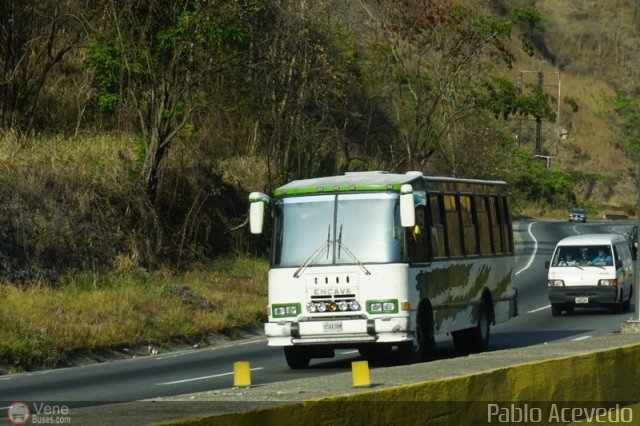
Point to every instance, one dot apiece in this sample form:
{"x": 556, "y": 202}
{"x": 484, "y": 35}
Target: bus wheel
{"x": 297, "y": 357}
{"x": 475, "y": 339}
{"x": 423, "y": 344}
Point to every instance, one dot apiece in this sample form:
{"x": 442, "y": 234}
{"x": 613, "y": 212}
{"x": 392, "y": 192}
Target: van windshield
{"x": 599, "y": 255}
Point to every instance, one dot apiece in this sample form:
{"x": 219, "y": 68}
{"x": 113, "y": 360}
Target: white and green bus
{"x": 377, "y": 261}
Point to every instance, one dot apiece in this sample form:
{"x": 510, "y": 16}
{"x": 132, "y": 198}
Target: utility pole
{"x": 538, "y": 149}
{"x": 538, "y": 137}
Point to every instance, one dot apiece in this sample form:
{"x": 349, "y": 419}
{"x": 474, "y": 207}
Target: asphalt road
{"x": 212, "y": 368}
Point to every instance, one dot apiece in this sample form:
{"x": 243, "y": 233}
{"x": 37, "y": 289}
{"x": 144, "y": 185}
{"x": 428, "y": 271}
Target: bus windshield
{"x": 337, "y": 229}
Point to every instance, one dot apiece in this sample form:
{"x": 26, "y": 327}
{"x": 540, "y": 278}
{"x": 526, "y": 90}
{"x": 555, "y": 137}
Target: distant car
{"x": 577, "y": 215}
{"x": 633, "y": 241}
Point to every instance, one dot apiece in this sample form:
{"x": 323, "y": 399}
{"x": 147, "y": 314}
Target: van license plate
{"x": 582, "y": 300}
{"x": 332, "y": 326}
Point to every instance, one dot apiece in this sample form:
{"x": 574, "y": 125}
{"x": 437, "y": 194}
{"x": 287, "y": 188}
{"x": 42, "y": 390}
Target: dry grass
{"x": 42, "y": 327}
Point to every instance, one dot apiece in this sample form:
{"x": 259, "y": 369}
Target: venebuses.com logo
{"x": 18, "y": 413}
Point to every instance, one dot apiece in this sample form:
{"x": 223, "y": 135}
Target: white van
{"x": 590, "y": 270}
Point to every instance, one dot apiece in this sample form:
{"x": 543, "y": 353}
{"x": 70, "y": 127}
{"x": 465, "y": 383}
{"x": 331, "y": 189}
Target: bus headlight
{"x": 331, "y": 306}
{"x": 608, "y": 283}
{"x": 382, "y": 306}
{"x": 286, "y": 310}
{"x": 555, "y": 283}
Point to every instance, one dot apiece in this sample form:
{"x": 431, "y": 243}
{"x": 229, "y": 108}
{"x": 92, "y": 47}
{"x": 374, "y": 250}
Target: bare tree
{"x": 168, "y": 51}
{"x": 34, "y": 37}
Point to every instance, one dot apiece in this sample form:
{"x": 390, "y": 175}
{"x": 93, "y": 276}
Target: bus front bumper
{"x": 338, "y": 331}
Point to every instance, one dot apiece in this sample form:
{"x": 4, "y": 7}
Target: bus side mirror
{"x": 546, "y": 264}
{"x": 407, "y": 209}
{"x": 257, "y": 210}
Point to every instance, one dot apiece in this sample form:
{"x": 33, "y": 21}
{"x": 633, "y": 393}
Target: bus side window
{"x": 496, "y": 225}
{"x": 452, "y": 224}
{"x": 484, "y": 231}
{"x": 507, "y": 237}
{"x": 418, "y": 238}
{"x": 468, "y": 226}
{"x": 436, "y": 226}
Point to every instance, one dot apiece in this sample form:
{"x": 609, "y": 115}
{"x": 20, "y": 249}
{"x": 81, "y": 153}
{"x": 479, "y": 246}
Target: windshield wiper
{"x": 350, "y": 253}
{"x": 316, "y": 253}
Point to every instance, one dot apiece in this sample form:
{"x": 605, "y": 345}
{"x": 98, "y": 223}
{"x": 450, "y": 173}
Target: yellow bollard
{"x": 241, "y": 374}
{"x": 360, "y": 373}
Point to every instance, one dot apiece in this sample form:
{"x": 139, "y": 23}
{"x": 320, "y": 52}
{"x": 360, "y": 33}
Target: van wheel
{"x": 556, "y": 309}
{"x": 618, "y": 307}
{"x": 298, "y": 358}
{"x": 626, "y": 306}
{"x": 474, "y": 339}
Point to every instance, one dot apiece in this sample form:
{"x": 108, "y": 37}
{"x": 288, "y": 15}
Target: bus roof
{"x": 367, "y": 181}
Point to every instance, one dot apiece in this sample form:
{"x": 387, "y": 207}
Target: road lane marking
{"x": 203, "y": 377}
{"x": 580, "y": 338}
{"x": 539, "y": 309}
{"x": 349, "y": 352}
{"x": 172, "y": 356}
{"x": 535, "y": 249}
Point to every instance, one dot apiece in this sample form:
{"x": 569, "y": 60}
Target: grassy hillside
{"x": 593, "y": 45}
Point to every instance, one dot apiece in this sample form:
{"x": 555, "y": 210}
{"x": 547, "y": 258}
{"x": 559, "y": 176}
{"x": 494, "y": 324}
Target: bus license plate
{"x": 332, "y": 326}
{"x": 582, "y": 300}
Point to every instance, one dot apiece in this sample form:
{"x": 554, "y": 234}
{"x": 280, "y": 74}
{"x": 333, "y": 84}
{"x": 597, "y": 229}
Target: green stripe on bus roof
{"x": 338, "y": 188}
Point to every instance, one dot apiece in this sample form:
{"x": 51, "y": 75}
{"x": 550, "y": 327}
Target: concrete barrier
{"x": 558, "y": 390}
{"x": 612, "y": 216}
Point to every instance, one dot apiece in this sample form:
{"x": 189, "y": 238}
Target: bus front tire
{"x": 556, "y": 309}
{"x": 424, "y": 343}
{"x": 298, "y": 358}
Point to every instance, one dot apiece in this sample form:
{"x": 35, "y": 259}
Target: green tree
{"x": 157, "y": 59}
{"x": 435, "y": 53}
